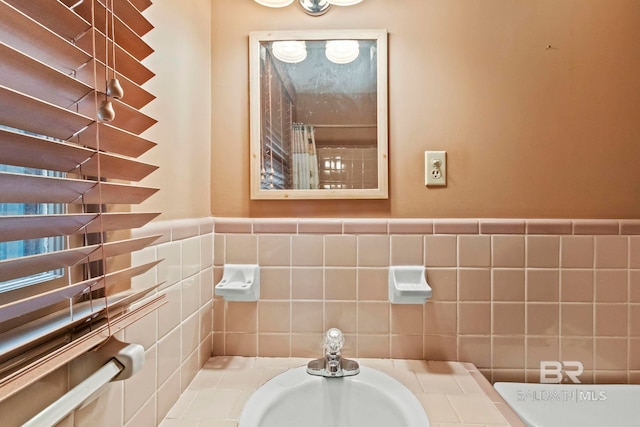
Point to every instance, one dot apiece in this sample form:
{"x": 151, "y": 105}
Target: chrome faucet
{"x": 333, "y": 364}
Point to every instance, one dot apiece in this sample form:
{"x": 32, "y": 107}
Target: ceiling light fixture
{"x": 311, "y": 7}
{"x": 344, "y": 2}
{"x": 274, "y": 3}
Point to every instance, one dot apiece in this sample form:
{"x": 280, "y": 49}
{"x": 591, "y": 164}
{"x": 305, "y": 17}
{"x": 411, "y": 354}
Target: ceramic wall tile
{"x": 508, "y": 284}
{"x": 373, "y": 284}
{"x": 373, "y": 251}
{"x": 241, "y": 249}
{"x": 307, "y": 283}
{"x": 340, "y": 251}
{"x": 274, "y": 250}
{"x": 441, "y": 251}
{"x": 508, "y": 251}
{"x": 307, "y": 251}
{"x": 612, "y": 251}
{"x": 543, "y": 251}
{"x": 275, "y": 283}
{"x": 474, "y": 251}
{"x": 410, "y": 226}
{"x": 407, "y": 250}
{"x": 508, "y": 318}
{"x": 474, "y": 284}
{"x": 455, "y": 226}
{"x": 577, "y": 251}
{"x": 340, "y": 284}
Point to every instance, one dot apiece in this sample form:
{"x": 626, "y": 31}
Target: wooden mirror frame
{"x": 256, "y": 129}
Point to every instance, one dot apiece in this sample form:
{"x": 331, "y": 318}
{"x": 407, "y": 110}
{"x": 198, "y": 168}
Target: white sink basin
{"x": 369, "y": 399}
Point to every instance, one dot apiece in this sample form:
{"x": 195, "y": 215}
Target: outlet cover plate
{"x": 435, "y": 168}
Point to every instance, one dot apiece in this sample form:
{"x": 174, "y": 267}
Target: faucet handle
{"x": 333, "y": 340}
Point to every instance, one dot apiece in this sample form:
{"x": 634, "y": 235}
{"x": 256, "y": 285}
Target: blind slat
{"x": 53, "y": 15}
{"x": 20, "y": 188}
{"x": 112, "y": 280}
{"x": 126, "y": 274}
{"x": 119, "y": 221}
{"x": 127, "y": 118}
{"x": 113, "y": 249}
{"x": 114, "y": 140}
{"x": 124, "y": 9}
{"x": 34, "y": 152}
{"x": 112, "y": 166}
{"x": 134, "y": 95}
{"x": 46, "y": 299}
{"x": 126, "y": 37}
{"x": 117, "y": 194}
{"x": 126, "y": 64}
{"x": 27, "y": 75}
{"x": 43, "y": 118}
{"x": 141, "y": 5}
{"x": 39, "y": 226}
{"x": 28, "y": 36}
{"x": 135, "y": 20}
{"x": 27, "y": 266}
{"x": 31, "y": 151}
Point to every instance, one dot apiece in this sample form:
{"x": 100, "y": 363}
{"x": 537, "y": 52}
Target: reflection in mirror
{"x": 318, "y": 114}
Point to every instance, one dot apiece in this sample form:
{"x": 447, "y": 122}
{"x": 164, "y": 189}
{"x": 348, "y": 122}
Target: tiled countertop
{"x": 453, "y": 394}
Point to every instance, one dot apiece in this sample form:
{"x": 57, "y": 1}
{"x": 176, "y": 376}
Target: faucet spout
{"x": 333, "y": 364}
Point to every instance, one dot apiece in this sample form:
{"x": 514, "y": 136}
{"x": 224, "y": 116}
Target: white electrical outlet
{"x": 435, "y": 168}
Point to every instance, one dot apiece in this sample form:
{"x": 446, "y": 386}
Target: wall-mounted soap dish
{"x": 240, "y": 282}
{"x": 407, "y": 285}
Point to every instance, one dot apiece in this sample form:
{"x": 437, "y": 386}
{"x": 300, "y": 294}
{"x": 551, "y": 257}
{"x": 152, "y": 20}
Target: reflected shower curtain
{"x": 305, "y": 159}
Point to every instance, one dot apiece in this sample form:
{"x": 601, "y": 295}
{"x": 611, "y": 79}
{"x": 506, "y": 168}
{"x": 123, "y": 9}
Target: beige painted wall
{"x": 530, "y": 130}
{"x": 182, "y": 85}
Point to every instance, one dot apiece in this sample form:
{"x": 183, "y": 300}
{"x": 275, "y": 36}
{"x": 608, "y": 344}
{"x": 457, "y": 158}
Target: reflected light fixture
{"x": 311, "y": 7}
{"x": 290, "y": 51}
{"x": 342, "y": 51}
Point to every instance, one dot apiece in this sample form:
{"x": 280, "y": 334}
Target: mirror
{"x": 318, "y": 114}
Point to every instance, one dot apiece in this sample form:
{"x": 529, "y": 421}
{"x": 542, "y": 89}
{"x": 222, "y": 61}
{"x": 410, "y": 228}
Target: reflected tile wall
{"x": 507, "y": 294}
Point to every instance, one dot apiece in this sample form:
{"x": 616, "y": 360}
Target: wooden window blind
{"x": 68, "y": 177}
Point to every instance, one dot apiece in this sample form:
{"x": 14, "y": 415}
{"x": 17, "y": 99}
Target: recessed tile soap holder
{"x": 240, "y": 282}
{"x": 408, "y": 285}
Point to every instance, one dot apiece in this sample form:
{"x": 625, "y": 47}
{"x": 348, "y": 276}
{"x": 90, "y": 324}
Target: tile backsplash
{"x": 507, "y": 294}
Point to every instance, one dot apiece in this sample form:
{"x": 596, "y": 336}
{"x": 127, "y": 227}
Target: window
{"x": 22, "y": 248}
{"x": 68, "y": 178}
